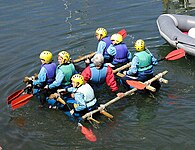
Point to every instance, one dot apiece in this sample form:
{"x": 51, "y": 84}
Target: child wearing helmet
{"x": 142, "y": 63}
{"x": 83, "y": 94}
{"x": 64, "y": 72}
{"x": 46, "y": 75}
{"x": 47, "y": 72}
{"x": 118, "y": 51}
{"x": 97, "y": 73}
{"x": 103, "y": 42}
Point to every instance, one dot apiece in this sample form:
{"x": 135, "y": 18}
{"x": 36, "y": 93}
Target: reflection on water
{"x": 19, "y": 121}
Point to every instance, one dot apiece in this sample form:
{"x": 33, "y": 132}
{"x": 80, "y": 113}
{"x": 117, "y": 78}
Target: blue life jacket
{"x": 121, "y": 53}
{"x": 108, "y": 42}
{"x": 98, "y": 75}
{"x": 51, "y": 69}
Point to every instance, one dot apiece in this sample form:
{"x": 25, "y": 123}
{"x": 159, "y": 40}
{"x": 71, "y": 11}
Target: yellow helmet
{"x": 139, "y": 45}
{"x": 101, "y": 32}
{"x": 117, "y": 38}
{"x": 65, "y": 56}
{"x": 78, "y": 78}
{"x": 46, "y": 56}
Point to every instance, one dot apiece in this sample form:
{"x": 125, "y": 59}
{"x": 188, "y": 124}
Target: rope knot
{"x": 102, "y": 107}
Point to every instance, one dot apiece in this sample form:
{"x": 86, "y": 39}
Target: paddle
{"x": 14, "y": 95}
{"x": 20, "y": 101}
{"x": 88, "y": 133}
{"x": 17, "y": 93}
{"x": 136, "y": 84}
{"x": 121, "y": 32}
{"x": 174, "y": 55}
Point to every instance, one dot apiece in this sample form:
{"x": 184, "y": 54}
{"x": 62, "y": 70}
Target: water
{"x": 165, "y": 121}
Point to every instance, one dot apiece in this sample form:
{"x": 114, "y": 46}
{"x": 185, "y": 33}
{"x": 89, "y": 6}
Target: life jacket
{"x": 145, "y": 61}
{"x": 108, "y": 42}
{"x": 68, "y": 70}
{"x": 121, "y": 53}
{"x": 89, "y": 96}
{"x": 98, "y": 75}
{"x": 51, "y": 69}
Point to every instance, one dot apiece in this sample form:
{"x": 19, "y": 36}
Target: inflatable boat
{"x": 174, "y": 29}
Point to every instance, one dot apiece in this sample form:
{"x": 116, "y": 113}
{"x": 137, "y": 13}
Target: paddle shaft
{"x": 84, "y": 57}
{"x": 161, "y": 59}
{"x": 61, "y": 101}
{"x": 122, "y": 68}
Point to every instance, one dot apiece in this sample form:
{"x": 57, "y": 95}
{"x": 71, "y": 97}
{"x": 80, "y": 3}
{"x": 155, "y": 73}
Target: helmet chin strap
{"x": 78, "y": 85}
{"x": 100, "y": 37}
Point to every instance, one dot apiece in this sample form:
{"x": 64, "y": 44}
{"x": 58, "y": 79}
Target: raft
{"x": 65, "y": 103}
{"x": 174, "y": 29}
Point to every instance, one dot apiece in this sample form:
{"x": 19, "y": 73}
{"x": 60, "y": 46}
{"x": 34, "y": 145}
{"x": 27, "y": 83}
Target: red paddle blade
{"x": 88, "y": 133}
{"x": 176, "y": 54}
{"x": 14, "y": 95}
{"x": 19, "y": 105}
{"x": 123, "y": 33}
{"x": 136, "y": 84}
{"x": 20, "y": 101}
